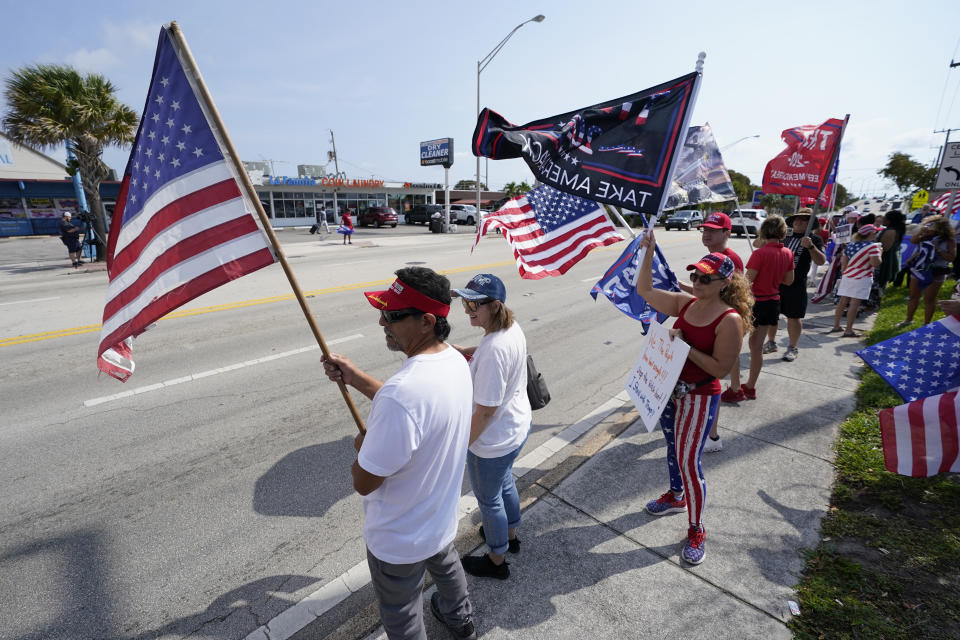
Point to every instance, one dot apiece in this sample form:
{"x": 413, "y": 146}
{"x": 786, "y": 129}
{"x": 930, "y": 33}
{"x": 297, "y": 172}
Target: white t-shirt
{"x": 499, "y": 369}
{"x": 417, "y": 435}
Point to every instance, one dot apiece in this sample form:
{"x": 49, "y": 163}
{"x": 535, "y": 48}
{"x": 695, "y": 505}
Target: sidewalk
{"x": 594, "y": 564}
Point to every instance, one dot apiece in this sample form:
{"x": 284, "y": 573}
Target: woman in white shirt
{"x": 500, "y": 423}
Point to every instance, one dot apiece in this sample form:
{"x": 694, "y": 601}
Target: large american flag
{"x": 919, "y": 363}
{"x": 921, "y": 438}
{"x": 550, "y": 231}
{"x": 181, "y": 226}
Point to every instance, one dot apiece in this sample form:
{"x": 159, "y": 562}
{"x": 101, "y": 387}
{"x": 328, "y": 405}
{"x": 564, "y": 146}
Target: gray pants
{"x": 399, "y": 589}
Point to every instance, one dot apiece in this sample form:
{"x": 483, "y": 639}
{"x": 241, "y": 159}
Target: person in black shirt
{"x": 70, "y": 236}
{"x": 793, "y": 297}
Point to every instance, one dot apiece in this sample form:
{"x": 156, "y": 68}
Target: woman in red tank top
{"x": 713, "y": 322}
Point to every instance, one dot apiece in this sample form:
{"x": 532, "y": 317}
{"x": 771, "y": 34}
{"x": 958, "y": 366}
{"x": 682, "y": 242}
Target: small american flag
{"x": 181, "y": 227}
{"x": 921, "y": 438}
{"x": 858, "y": 259}
{"x": 550, "y": 231}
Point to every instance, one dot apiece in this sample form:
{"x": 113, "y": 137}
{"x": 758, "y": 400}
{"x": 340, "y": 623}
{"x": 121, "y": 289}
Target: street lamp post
{"x": 481, "y": 65}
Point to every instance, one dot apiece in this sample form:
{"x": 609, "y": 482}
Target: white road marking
{"x": 26, "y": 301}
{"x": 213, "y": 372}
{"x": 295, "y": 618}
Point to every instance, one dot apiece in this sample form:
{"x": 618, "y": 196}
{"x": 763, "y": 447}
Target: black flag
{"x": 618, "y": 152}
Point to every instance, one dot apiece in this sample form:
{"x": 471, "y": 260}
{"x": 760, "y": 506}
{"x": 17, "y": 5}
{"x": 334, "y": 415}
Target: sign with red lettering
{"x": 802, "y": 168}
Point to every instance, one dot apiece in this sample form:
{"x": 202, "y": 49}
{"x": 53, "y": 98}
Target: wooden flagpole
{"x": 191, "y": 65}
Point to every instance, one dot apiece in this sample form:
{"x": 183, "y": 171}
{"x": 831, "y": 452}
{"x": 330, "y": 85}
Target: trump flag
{"x": 801, "y": 169}
{"x": 619, "y": 284}
{"x": 921, "y": 438}
{"x": 619, "y": 152}
{"x": 181, "y": 226}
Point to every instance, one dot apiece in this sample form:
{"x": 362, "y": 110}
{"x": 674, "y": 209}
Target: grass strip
{"x": 888, "y": 562}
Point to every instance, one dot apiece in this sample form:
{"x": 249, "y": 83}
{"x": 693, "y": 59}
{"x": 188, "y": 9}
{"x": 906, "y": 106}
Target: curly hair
{"x": 773, "y": 227}
{"x": 940, "y": 224}
{"x": 433, "y": 285}
{"x": 737, "y": 294}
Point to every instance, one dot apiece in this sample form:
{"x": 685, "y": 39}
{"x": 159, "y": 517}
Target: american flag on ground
{"x": 921, "y": 438}
{"x": 550, "y": 231}
{"x": 921, "y": 362}
{"x": 181, "y": 227}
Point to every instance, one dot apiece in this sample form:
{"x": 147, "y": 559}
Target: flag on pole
{"x": 939, "y": 205}
{"x": 828, "y": 281}
{"x": 618, "y": 152}
{"x": 802, "y": 167}
{"x": 181, "y": 225}
{"x": 550, "y": 231}
{"x": 619, "y": 284}
{"x": 700, "y": 175}
{"x": 921, "y": 362}
{"x": 921, "y": 438}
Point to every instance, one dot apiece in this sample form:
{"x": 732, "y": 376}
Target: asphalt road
{"x": 205, "y": 507}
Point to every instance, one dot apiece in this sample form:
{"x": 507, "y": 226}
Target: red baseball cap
{"x": 714, "y": 263}
{"x": 400, "y": 295}
{"x": 718, "y": 220}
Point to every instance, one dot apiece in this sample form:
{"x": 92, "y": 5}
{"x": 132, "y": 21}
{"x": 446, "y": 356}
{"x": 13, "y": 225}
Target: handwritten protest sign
{"x": 653, "y": 377}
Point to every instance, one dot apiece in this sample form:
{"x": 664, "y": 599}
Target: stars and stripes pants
{"x": 686, "y": 423}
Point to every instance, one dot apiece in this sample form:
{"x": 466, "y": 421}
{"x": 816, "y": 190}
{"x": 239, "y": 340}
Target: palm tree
{"x": 513, "y": 189}
{"x": 49, "y": 105}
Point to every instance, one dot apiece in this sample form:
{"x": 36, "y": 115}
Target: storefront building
{"x": 291, "y": 202}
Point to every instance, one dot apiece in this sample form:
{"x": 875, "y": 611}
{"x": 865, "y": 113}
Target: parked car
{"x": 421, "y": 213}
{"x": 751, "y": 221}
{"x": 463, "y": 214}
{"x": 378, "y": 217}
{"x": 684, "y": 219}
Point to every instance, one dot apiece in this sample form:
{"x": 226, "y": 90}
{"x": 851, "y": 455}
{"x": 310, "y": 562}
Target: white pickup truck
{"x": 463, "y": 214}
{"x": 751, "y": 220}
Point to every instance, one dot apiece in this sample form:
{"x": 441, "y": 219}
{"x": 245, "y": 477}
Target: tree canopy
{"x": 469, "y": 185}
{"x": 514, "y": 189}
{"x": 907, "y": 173}
{"x": 49, "y": 105}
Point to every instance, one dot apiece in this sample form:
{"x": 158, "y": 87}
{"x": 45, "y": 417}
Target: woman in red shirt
{"x": 768, "y": 267}
{"x": 712, "y": 321}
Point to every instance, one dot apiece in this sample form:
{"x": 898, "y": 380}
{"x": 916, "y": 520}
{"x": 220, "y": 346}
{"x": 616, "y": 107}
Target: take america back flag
{"x": 550, "y": 231}
{"x": 181, "y": 226}
{"x": 919, "y": 363}
{"x": 619, "y": 152}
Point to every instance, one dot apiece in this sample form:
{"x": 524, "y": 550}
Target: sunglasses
{"x": 474, "y": 305}
{"x": 394, "y": 316}
{"x": 702, "y": 277}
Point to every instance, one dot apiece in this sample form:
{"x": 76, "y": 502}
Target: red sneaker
{"x": 750, "y": 393}
{"x": 733, "y": 396}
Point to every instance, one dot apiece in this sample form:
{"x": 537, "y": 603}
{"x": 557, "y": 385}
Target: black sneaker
{"x": 513, "y": 546}
{"x": 466, "y": 632}
{"x": 483, "y": 567}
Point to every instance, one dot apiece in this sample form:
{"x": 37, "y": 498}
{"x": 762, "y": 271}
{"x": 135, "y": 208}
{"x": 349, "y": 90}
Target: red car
{"x": 378, "y": 217}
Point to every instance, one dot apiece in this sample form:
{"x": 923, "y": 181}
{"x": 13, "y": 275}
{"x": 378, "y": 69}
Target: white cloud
{"x": 118, "y": 40}
{"x": 98, "y": 60}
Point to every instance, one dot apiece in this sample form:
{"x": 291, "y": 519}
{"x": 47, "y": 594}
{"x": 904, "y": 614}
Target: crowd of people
{"x": 451, "y": 408}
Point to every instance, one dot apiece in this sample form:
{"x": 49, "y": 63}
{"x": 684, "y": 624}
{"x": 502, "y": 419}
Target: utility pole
{"x": 333, "y": 154}
{"x": 947, "y": 131}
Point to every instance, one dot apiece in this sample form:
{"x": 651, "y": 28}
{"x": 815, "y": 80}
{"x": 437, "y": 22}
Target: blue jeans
{"x": 496, "y": 492}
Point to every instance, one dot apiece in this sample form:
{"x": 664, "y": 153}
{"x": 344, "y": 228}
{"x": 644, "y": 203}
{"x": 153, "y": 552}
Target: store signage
{"x": 422, "y": 185}
{"x": 326, "y": 182}
{"x": 438, "y": 151}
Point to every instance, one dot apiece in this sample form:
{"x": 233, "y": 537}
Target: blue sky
{"x": 387, "y": 75}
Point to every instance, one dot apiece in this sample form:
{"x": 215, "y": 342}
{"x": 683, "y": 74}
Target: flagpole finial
{"x": 700, "y": 58}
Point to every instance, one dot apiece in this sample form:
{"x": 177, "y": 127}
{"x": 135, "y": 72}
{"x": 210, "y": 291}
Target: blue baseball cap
{"x": 483, "y": 285}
